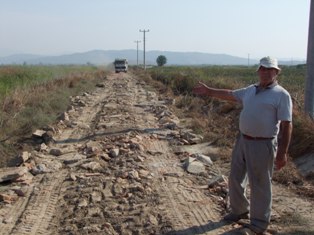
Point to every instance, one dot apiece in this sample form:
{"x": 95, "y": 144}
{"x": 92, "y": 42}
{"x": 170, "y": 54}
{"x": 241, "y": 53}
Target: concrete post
{"x": 309, "y": 88}
{"x": 144, "y": 42}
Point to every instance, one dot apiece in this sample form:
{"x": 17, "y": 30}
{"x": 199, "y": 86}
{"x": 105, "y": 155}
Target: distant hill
{"x": 105, "y": 57}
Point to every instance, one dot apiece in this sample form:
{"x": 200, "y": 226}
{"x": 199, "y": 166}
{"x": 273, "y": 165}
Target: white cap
{"x": 269, "y": 62}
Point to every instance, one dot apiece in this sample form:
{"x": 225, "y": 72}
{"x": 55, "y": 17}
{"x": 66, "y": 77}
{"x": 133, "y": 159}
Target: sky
{"x": 244, "y": 28}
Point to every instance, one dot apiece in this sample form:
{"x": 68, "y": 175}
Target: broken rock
{"x": 8, "y": 198}
{"x": 114, "y": 153}
{"x": 39, "y": 133}
{"x": 194, "y": 167}
{"x": 12, "y": 173}
{"x": 55, "y": 152}
{"x": 39, "y": 169}
{"x": 203, "y": 158}
{"x": 91, "y": 166}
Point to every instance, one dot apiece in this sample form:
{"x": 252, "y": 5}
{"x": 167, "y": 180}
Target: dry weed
{"x": 14, "y": 102}
{"x": 302, "y": 135}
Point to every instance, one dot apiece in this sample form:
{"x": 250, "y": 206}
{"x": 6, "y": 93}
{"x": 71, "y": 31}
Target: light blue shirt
{"x": 263, "y": 109}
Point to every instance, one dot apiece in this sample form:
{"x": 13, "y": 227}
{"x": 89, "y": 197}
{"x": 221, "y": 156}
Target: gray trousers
{"x": 253, "y": 162}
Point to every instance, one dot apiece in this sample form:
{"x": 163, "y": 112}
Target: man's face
{"x": 267, "y": 75}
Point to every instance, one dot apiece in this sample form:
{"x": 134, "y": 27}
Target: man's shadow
{"x": 202, "y": 229}
{"x": 211, "y": 226}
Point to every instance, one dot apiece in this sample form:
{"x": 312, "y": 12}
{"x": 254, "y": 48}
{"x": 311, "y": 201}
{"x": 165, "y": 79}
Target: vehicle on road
{"x": 121, "y": 65}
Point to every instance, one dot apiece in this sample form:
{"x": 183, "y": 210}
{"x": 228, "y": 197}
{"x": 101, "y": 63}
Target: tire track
{"x": 188, "y": 208}
{"x": 41, "y": 207}
{"x": 11, "y": 214}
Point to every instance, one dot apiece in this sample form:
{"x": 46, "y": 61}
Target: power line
{"x": 144, "y": 31}
{"x": 137, "y": 42}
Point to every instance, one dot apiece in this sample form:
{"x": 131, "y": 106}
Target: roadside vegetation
{"x": 217, "y": 120}
{"x": 181, "y": 81}
{"x": 33, "y": 96}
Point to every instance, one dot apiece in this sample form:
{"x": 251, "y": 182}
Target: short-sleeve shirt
{"x": 263, "y": 109}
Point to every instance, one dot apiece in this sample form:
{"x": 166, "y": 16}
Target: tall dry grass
{"x": 26, "y": 106}
{"x": 221, "y": 118}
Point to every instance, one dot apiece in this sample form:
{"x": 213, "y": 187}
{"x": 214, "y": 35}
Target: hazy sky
{"x": 236, "y": 27}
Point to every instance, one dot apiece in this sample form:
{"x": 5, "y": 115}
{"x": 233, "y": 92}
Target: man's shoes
{"x": 231, "y": 217}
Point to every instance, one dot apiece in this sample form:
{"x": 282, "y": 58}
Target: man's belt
{"x": 256, "y": 138}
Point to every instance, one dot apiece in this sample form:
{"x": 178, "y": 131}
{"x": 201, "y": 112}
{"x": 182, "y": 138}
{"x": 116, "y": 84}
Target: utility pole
{"x": 137, "y": 42}
{"x": 248, "y": 60}
{"x": 309, "y": 88}
{"x": 144, "y": 31}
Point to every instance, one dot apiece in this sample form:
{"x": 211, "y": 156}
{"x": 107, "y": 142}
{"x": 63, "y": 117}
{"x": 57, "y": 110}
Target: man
{"x": 267, "y": 109}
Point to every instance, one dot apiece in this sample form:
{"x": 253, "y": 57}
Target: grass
{"x": 24, "y": 76}
{"x": 181, "y": 81}
{"x": 33, "y": 96}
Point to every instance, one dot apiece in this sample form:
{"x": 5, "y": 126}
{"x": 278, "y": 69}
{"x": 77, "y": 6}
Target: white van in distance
{"x": 121, "y": 65}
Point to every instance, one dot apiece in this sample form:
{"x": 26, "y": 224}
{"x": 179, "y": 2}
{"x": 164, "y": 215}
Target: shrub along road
{"x": 115, "y": 164}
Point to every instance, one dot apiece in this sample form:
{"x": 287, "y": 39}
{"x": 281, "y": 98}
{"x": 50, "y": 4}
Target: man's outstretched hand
{"x": 200, "y": 89}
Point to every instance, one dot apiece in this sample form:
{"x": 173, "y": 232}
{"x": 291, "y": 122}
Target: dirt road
{"x": 113, "y": 167}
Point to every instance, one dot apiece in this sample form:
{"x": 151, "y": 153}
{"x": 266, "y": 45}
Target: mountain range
{"x": 105, "y": 57}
